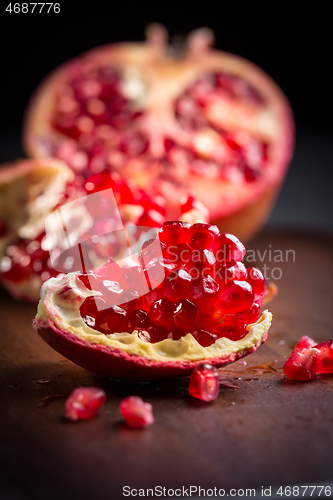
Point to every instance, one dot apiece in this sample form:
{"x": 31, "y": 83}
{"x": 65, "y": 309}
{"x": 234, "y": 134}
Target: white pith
{"x": 63, "y": 310}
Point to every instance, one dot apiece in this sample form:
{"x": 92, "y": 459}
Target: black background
{"x": 293, "y": 46}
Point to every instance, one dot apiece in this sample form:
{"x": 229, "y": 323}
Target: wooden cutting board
{"x": 266, "y": 432}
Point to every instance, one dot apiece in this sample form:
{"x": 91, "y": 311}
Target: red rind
{"x": 118, "y": 364}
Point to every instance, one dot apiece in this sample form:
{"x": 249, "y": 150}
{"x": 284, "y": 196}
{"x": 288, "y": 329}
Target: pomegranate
{"x": 84, "y": 403}
{"x": 136, "y": 412}
{"x": 204, "y": 382}
{"x": 155, "y": 320}
{"x": 202, "y": 123}
{"x": 29, "y": 191}
{"x": 309, "y": 359}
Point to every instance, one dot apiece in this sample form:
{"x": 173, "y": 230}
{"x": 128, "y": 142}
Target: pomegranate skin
{"x": 118, "y": 364}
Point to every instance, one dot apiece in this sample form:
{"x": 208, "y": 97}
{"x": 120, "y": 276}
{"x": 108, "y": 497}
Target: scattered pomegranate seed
{"x": 302, "y": 365}
{"x": 136, "y": 412}
{"x": 84, "y": 403}
{"x": 304, "y": 343}
{"x": 204, "y": 382}
{"x": 325, "y": 356}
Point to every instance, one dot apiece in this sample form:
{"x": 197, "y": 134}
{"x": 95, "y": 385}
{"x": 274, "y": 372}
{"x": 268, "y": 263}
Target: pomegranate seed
{"x": 93, "y": 306}
{"x": 257, "y": 282}
{"x": 229, "y": 248}
{"x": 229, "y": 271}
{"x": 157, "y": 270}
{"x": 304, "y": 343}
{"x": 136, "y": 412}
{"x": 161, "y": 313}
{"x": 110, "y": 270}
{"x": 177, "y": 285}
{"x": 84, "y": 403}
{"x": 157, "y": 334}
{"x": 114, "y": 319}
{"x": 233, "y": 329}
{"x": 178, "y": 254}
{"x": 174, "y": 233}
{"x": 111, "y": 290}
{"x": 250, "y": 315}
{"x": 204, "y": 382}
{"x": 151, "y": 297}
{"x": 201, "y": 263}
{"x": 203, "y": 236}
{"x": 204, "y": 289}
{"x": 185, "y": 315}
{"x": 302, "y": 365}
{"x": 325, "y": 356}
{"x": 89, "y": 280}
{"x": 176, "y": 334}
{"x": 131, "y": 300}
{"x": 205, "y": 338}
{"x": 134, "y": 278}
{"x": 236, "y": 297}
{"x": 139, "y": 319}
{"x": 151, "y": 249}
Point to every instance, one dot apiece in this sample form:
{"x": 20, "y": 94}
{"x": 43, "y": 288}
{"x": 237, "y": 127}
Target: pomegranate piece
{"x": 136, "y": 412}
{"x": 174, "y": 233}
{"x": 305, "y": 342}
{"x": 84, "y": 403}
{"x": 302, "y": 365}
{"x": 233, "y": 329}
{"x": 203, "y": 236}
{"x": 177, "y": 285}
{"x": 114, "y": 319}
{"x": 257, "y": 282}
{"x": 157, "y": 270}
{"x": 185, "y": 315}
{"x": 325, "y": 356}
{"x": 139, "y": 319}
{"x": 204, "y": 382}
{"x": 229, "y": 248}
{"x": 161, "y": 313}
{"x": 236, "y": 297}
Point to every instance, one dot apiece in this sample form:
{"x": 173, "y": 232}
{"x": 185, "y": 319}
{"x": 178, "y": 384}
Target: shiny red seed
{"x": 111, "y": 290}
{"x": 201, "y": 263}
{"x": 161, "y": 313}
{"x": 151, "y": 249}
{"x": 138, "y": 319}
{"x": 151, "y": 297}
{"x": 114, "y": 319}
{"x": 157, "y": 270}
{"x": 174, "y": 232}
{"x": 229, "y": 271}
{"x": 185, "y": 315}
{"x": 111, "y": 270}
{"x": 233, "y": 329}
{"x": 250, "y": 315}
{"x": 136, "y": 412}
{"x": 304, "y": 342}
{"x": 176, "y": 334}
{"x": 325, "y": 356}
{"x": 204, "y": 382}
{"x": 228, "y": 248}
{"x": 236, "y": 297}
{"x": 84, "y": 403}
{"x": 131, "y": 300}
{"x": 178, "y": 254}
{"x": 177, "y": 285}
{"x": 203, "y": 236}
{"x": 204, "y": 289}
{"x": 257, "y": 282}
{"x": 157, "y": 334}
{"x": 93, "y": 306}
{"x": 302, "y": 365}
{"x": 89, "y": 280}
{"x": 134, "y": 278}
{"x": 205, "y": 338}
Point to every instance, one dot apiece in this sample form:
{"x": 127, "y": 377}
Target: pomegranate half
{"x": 188, "y": 300}
{"x": 200, "y": 123}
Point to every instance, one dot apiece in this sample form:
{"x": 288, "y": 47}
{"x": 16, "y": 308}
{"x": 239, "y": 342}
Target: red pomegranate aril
{"x": 151, "y": 249}
{"x": 202, "y": 236}
{"x": 229, "y": 271}
{"x": 134, "y": 278}
{"x": 204, "y": 289}
{"x": 161, "y": 313}
{"x": 204, "y": 382}
{"x": 138, "y": 319}
{"x": 325, "y": 356}
{"x": 136, "y": 412}
{"x": 176, "y": 334}
{"x": 110, "y": 270}
{"x": 151, "y": 218}
{"x": 89, "y": 280}
{"x": 157, "y": 270}
{"x": 302, "y": 365}
{"x": 111, "y": 290}
{"x": 236, "y": 297}
{"x": 205, "y": 338}
{"x": 151, "y": 297}
{"x": 257, "y": 282}
{"x": 250, "y": 315}
{"x": 177, "y": 285}
{"x": 93, "y": 306}
{"x": 157, "y": 334}
{"x": 174, "y": 233}
{"x": 114, "y": 319}
{"x": 232, "y": 329}
{"x": 185, "y": 315}
{"x": 304, "y": 342}
{"x": 178, "y": 254}
{"x": 84, "y": 403}
{"x": 131, "y": 300}
{"x": 201, "y": 263}
{"x": 229, "y": 248}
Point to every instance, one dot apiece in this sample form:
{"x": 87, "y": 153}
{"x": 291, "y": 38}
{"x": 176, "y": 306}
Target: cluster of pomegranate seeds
{"x": 136, "y": 412}
{"x": 84, "y": 403}
{"x": 204, "y": 382}
{"x": 309, "y": 359}
{"x": 197, "y": 285}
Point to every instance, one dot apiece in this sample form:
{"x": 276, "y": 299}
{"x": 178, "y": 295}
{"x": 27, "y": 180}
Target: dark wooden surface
{"x": 269, "y": 431}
